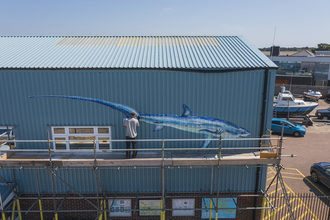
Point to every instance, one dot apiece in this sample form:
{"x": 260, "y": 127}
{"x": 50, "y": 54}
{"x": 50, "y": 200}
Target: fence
{"x": 304, "y": 206}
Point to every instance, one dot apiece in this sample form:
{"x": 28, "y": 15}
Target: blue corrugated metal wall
{"x": 144, "y": 180}
{"x": 232, "y": 96}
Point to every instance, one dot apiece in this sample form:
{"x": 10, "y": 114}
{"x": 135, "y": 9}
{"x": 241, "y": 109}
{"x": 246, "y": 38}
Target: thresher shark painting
{"x": 208, "y": 127}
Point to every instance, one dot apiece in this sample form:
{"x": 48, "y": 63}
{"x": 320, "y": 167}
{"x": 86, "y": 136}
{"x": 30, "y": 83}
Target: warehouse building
{"x": 204, "y": 102}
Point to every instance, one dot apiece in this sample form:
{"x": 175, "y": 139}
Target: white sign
{"x": 120, "y": 207}
{"x": 182, "y": 205}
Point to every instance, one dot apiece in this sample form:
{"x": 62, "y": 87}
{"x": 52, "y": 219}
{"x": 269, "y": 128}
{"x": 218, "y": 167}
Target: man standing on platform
{"x": 130, "y": 125}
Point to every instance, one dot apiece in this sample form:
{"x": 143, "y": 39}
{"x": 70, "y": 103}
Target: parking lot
{"x": 314, "y": 147}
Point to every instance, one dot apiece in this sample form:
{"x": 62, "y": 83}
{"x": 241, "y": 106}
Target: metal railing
{"x": 141, "y": 149}
{"x": 163, "y": 208}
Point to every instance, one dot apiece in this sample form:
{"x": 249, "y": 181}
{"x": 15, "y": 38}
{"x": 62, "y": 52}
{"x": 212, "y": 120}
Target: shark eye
{"x": 239, "y": 131}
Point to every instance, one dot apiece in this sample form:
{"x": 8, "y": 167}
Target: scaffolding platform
{"x": 81, "y": 159}
{"x": 51, "y": 159}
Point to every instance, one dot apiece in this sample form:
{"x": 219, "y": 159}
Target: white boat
{"x": 312, "y": 95}
{"x": 285, "y": 102}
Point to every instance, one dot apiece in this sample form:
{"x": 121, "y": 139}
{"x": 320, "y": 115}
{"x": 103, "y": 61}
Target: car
{"x": 289, "y": 127}
{"x": 323, "y": 114}
{"x": 327, "y": 97}
{"x": 320, "y": 173}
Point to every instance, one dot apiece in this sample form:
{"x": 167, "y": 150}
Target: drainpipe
{"x": 262, "y": 127}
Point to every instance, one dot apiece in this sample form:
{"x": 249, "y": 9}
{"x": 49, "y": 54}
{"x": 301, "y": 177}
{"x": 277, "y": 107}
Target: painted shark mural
{"x": 208, "y": 127}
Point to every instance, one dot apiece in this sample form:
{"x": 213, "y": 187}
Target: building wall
{"x": 236, "y": 97}
{"x": 81, "y": 204}
{"x": 295, "y": 80}
{"x": 142, "y": 179}
{"x": 232, "y": 96}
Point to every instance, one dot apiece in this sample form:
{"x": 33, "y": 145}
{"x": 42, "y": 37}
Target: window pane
{"x": 103, "y": 130}
{"x": 81, "y": 130}
{"x": 105, "y": 144}
{"x": 86, "y": 142}
{"x": 4, "y": 134}
{"x": 59, "y": 131}
{"x": 61, "y": 145}
{"x": 3, "y": 131}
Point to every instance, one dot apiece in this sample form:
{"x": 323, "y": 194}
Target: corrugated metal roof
{"x": 207, "y": 52}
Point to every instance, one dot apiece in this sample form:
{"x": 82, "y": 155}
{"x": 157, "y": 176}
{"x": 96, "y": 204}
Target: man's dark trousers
{"x": 128, "y": 147}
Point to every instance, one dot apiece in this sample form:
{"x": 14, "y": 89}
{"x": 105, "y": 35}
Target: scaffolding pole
{"x": 162, "y": 201}
{"x": 3, "y": 214}
{"x": 136, "y": 200}
{"x": 132, "y": 210}
{"x": 104, "y": 196}
{"x": 13, "y": 213}
{"x": 96, "y": 180}
{"x": 101, "y": 206}
{"x": 52, "y": 178}
{"x": 199, "y": 195}
{"x": 135, "y": 209}
{"x": 15, "y": 193}
{"x": 40, "y": 203}
{"x": 100, "y": 216}
{"x": 58, "y": 208}
{"x": 218, "y": 183}
{"x": 31, "y": 206}
{"x": 53, "y": 174}
{"x": 162, "y": 208}
{"x": 211, "y": 194}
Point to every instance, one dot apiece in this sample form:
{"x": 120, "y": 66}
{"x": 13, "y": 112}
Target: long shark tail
{"x": 119, "y": 107}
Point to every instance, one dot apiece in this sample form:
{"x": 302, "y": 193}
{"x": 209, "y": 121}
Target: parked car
{"x": 323, "y": 114}
{"x": 327, "y": 97}
{"x": 320, "y": 172}
{"x": 289, "y": 127}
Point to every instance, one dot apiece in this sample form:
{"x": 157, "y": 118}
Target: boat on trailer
{"x": 312, "y": 95}
{"x": 286, "y": 103}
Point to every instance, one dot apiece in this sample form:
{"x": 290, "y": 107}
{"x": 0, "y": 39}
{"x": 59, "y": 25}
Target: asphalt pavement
{"x": 314, "y": 147}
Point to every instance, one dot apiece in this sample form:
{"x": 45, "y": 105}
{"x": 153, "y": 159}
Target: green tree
{"x": 322, "y": 47}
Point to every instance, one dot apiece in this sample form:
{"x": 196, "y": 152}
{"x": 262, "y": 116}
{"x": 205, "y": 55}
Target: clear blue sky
{"x": 298, "y": 23}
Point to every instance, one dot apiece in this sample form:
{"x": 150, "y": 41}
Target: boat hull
{"x": 312, "y": 97}
{"x": 293, "y": 111}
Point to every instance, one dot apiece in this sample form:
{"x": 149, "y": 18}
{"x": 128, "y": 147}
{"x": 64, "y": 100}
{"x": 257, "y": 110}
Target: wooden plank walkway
{"x": 82, "y": 159}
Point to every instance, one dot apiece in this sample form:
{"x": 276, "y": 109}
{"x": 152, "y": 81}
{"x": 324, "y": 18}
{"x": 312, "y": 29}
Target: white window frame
{"x": 95, "y": 133}
{"x": 11, "y": 134}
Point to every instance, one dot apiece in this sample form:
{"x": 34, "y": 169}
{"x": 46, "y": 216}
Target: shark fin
{"x": 186, "y": 111}
{"x": 206, "y": 142}
{"x": 158, "y": 128}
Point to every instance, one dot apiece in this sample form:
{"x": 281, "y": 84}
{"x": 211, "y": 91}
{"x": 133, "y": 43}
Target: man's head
{"x": 133, "y": 113}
